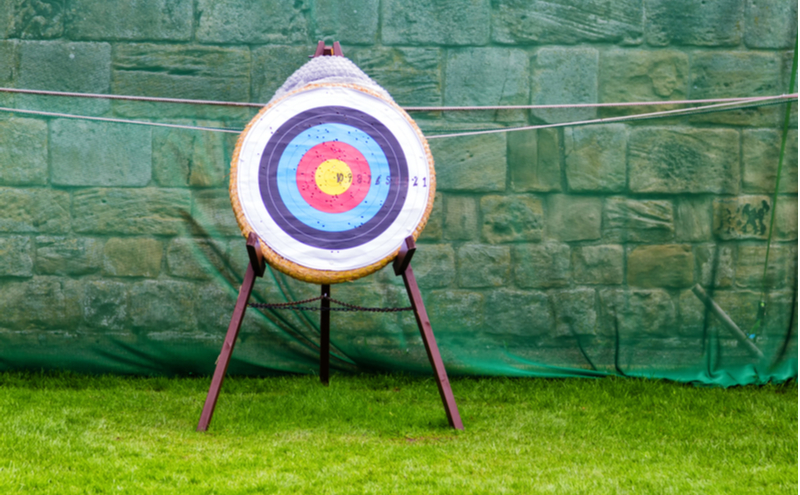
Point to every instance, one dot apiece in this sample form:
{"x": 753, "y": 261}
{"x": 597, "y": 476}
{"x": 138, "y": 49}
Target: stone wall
{"x": 545, "y": 247}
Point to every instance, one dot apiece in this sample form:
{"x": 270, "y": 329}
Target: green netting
{"x": 662, "y": 248}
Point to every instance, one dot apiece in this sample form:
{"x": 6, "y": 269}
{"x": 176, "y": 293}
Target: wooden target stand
{"x": 402, "y": 267}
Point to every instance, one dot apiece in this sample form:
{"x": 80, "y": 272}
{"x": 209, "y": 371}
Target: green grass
{"x": 66, "y": 433}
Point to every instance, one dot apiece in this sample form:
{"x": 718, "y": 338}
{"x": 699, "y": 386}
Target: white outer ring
{"x": 322, "y": 259}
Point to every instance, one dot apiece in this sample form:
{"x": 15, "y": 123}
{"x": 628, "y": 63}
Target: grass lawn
{"x": 65, "y": 433}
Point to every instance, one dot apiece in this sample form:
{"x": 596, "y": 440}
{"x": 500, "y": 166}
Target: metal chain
{"x": 297, "y": 305}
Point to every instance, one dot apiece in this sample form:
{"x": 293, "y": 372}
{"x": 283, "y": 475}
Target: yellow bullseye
{"x": 333, "y": 177}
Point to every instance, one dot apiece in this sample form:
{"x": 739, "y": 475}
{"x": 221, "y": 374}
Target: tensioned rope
{"x": 119, "y": 121}
{"x": 650, "y": 115}
{"x": 738, "y": 103}
{"x": 157, "y": 99}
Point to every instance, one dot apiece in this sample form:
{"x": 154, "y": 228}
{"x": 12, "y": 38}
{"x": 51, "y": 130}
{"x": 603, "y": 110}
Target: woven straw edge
{"x": 291, "y": 268}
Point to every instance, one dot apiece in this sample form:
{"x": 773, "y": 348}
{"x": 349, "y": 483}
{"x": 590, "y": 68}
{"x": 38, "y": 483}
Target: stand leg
{"x": 325, "y": 339}
{"x": 227, "y": 348}
{"x": 433, "y": 350}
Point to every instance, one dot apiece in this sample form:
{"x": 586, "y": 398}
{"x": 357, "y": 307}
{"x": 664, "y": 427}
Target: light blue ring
{"x": 320, "y": 220}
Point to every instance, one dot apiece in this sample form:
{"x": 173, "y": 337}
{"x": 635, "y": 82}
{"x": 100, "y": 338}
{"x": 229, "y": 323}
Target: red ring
{"x": 333, "y": 150}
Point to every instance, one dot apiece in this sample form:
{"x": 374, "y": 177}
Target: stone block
{"x": 167, "y": 20}
{"x": 8, "y": 60}
{"x": 132, "y": 257}
{"x": 781, "y": 312}
{"x": 213, "y": 215}
{"x": 443, "y": 304}
{"x": 34, "y": 20}
{"x": 741, "y": 306}
{"x": 434, "y": 265}
{"x": 511, "y": 218}
{"x": 273, "y": 64}
{"x": 760, "y": 152}
{"x": 196, "y": 258}
{"x": 75, "y": 67}
{"x": 460, "y": 218}
{"x": 683, "y": 160}
{"x": 348, "y": 21}
{"x": 188, "y": 158}
{"x": 742, "y": 217}
{"x": 68, "y": 255}
{"x": 131, "y": 211}
{"x": 686, "y": 22}
{"x": 740, "y": 73}
{"x": 598, "y": 264}
{"x": 483, "y": 266}
{"x": 693, "y": 314}
{"x": 642, "y": 75}
{"x": 637, "y": 313}
{"x": 785, "y": 228}
{"x": 541, "y": 265}
{"x": 518, "y": 314}
{"x": 434, "y": 227}
{"x": 573, "y": 218}
{"x": 750, "y": 260}
{"x": 533, "y": 160}
{"x": 668, "y": 265}
{"x": 715, "y": 263}
{"x": 6, "y": 16}
{"x": 15, "y": 256}
{"x": 564, "y": 75}
{"x": 770, "y": 24}
{"x": 180, "y": 71}
{"x": 411, "y": 75}
{"x": 474, "y": 164}
{"x": 213, "y": 309}
{"x": 693, "y": 219}
{"x": 566, "y": 22}
{"x": 85, "y": 153}
{"x": 360, "y": 324}
{"x": 39, "y": 303}
{"x": 488, "y": 76}
{"x": 444, "y": 22}
{"x": 575, "y": 312}
{"x": 594, "y": 157}
{"x": 251, "y": 22}
{"x": 34, "y": 210}
{"x": 163, "y": 304}
{"x": 631, "y": 220}
{"x": 23, "y": 152}
{"x": 105, "y": 305}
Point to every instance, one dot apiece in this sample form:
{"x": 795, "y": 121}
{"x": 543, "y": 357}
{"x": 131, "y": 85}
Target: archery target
{"x": 332, "y": 178}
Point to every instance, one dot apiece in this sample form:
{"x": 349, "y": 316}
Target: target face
{"x": 332, "y": 179}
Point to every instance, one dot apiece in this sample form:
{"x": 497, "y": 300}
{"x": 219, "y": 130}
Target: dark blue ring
{"x": 375, "y": 226}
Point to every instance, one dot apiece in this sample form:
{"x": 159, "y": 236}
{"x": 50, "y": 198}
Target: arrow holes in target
{"x": 333, "y": 177}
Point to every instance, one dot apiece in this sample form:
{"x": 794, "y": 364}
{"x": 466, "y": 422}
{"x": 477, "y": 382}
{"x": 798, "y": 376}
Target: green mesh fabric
{"x": 577, "y": 251}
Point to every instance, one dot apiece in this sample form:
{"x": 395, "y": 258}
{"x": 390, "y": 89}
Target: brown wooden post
{"x": 325, "y": 335}
{"x": 402, "y": 266}
{"x": 233, "y": 331}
